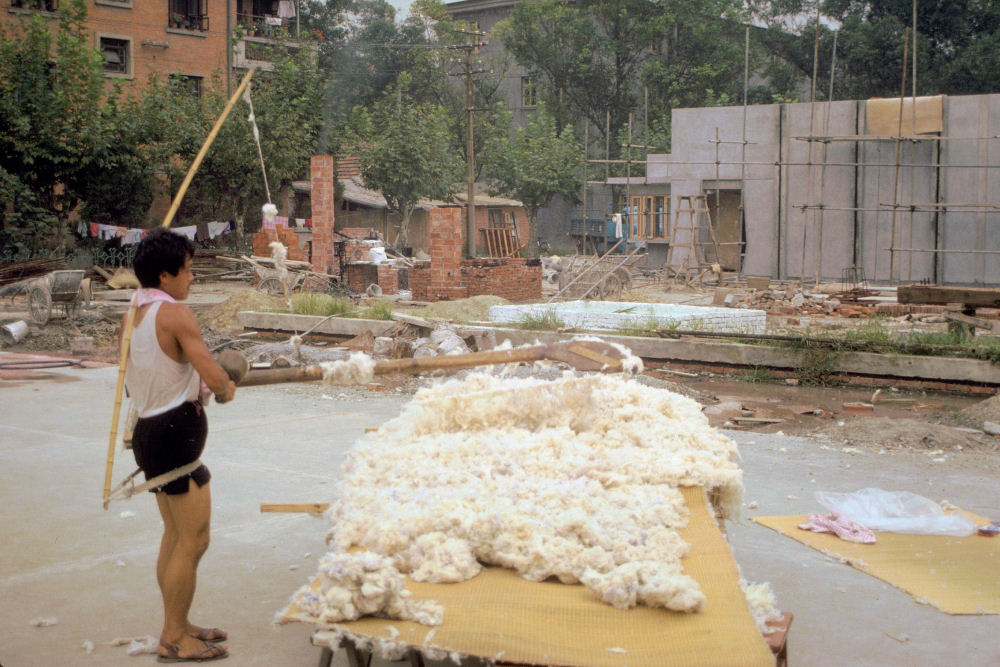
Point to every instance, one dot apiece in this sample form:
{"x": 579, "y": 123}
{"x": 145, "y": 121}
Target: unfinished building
{"x": 884, "y": 190}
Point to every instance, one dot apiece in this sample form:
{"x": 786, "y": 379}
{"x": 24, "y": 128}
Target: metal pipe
{"x": 899, "y": 148}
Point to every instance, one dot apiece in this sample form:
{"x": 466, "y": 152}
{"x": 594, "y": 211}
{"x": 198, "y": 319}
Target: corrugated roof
{"x": 486, "y": 200}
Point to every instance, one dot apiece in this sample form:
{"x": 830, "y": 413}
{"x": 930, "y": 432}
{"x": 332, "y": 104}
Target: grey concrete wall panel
{"x": 807, "y": 183}
{"x": 693, "y": 163}
{"x": 883, "y": 184}
{"x": 970, "y": 227}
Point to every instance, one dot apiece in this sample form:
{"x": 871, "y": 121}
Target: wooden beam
{"x": 984, "y": 297}
{"x": 309, "y": 508}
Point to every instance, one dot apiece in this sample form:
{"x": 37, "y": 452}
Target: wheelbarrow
{"x": 56, "y": 289}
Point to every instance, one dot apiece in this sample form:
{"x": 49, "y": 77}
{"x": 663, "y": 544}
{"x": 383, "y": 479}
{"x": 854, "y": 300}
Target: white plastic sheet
{"x": 897, "y": 512}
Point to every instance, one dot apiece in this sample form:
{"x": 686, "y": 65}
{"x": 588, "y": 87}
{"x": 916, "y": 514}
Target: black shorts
{"x": 169, "y": 441}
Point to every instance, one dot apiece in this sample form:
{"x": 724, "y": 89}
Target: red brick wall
{"x": 512, "y": 279}
{"x": 154, "y": 45}
{"x": 287, "y": 236}
{"x": 445, "y": 236}
{"x": 323, "y": 238}
{"x": 388, "y": 279}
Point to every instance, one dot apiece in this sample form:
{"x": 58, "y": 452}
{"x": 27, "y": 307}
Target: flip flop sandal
{"x": 208, "y": 653}
{"x": 211, "y": 635}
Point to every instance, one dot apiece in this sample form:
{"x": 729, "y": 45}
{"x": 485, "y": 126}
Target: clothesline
{"x": 203, "y": 231}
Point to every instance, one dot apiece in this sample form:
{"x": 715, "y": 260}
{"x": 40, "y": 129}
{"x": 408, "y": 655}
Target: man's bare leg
{"x": 189, "y": 515}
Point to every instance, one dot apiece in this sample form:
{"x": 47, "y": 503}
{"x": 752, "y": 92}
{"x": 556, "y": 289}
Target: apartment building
{"x": 186, "y": 41}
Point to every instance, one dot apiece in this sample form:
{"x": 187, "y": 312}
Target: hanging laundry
{"x": 280, "y": 221}
{"x": 217, "y": 228}
{"x": 189, "y": 231}
{"x": 132, "y": 236}
{"x": 201, "y": 233}
{"x": 95, "y": 228}
{"x": 286, "y": 9}
{"x": 300, "y": 222}
{"x": 81, "y": 228}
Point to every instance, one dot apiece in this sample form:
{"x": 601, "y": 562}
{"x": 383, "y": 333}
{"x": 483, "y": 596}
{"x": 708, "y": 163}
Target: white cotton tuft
{"x": 363, "y": 583}
{"x": 269, "y": 211}
{"x": 576, "y": 478}
{"x": 358, "y": 368}
{"x": 763, "y": 605}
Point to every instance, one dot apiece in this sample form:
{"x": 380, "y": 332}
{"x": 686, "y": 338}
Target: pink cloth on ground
{"x": 839, "y": 525}
{"x": 147, "y": 295}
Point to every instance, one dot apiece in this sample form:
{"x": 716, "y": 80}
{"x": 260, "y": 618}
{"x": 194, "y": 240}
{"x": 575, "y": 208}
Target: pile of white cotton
{"x": 575, "y": 478}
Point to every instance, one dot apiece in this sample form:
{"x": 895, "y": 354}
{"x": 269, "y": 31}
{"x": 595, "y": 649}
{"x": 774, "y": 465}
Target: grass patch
{"x": 379, "y": 310}
{"x": 547, "y": 320}
{"x": 870, "y": 331}
{"x": 643, "y": 326}
{"x": 316, "y": 303}
{"x": 756, "y": 375}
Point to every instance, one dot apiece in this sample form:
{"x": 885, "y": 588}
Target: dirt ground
{"x": 936, "y": 423}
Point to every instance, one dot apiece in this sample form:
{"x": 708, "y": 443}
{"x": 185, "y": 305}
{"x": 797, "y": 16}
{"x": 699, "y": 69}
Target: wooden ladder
{"x": 693, "y": 267}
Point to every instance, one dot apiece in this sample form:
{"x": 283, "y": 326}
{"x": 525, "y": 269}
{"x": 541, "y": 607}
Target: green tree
{"x": 957, "y": 44}
{"x": 52, "y": 126}
{"x": 286, "y": 103}
{"x": 539, "y": 164}
{"x": 592, "y": 57}
{"x": 405, "y": 153}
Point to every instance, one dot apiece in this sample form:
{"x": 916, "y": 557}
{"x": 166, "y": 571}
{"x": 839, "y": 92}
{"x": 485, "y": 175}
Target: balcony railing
{"x": 265, "y": 25}
{"x": 198, "y": 22}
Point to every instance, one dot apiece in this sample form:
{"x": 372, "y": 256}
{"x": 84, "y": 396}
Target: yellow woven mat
{"x": 958, "y": 575}
{"x": 557, "y": 624}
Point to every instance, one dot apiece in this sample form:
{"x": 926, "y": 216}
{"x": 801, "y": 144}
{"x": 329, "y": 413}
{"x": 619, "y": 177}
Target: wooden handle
{"x": 281, "y": 375}
{"x": 471, "y": 360}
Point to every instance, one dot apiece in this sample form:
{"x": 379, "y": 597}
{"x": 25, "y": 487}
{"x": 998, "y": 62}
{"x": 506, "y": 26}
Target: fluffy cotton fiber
{"x": 575, "y": 478}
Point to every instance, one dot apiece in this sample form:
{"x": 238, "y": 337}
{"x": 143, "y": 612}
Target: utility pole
{"x": 470, "y": 149}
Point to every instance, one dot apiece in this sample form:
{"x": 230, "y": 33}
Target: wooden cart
{"x": 58, "y": 288}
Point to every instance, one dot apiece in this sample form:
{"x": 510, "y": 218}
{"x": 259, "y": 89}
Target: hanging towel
{"x": 95, "y": 229}
{"x": 280, "y": 221}
{"x": 189, "y": 231}
{"x": 132, "y": 237}
{"x": 81, "y": 228}
{"x": 286, "y": 9}
{"x": 218, "y": 228}
{"x": 201, "y": 231}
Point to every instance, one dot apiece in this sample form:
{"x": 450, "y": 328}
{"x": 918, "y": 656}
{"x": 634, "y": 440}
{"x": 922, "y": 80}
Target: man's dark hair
{"x": 160, "y": 250}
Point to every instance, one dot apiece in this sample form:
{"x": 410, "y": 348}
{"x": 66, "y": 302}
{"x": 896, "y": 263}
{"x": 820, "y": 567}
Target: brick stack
{"x": 323, "y": 237}
{"x": 513, "y": 279}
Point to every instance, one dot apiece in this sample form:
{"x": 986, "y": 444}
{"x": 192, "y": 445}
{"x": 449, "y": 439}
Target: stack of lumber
{"x": 29, "y": 268}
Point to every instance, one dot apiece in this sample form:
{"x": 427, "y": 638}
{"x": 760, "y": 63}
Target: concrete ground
{"x": 63, "y": 557}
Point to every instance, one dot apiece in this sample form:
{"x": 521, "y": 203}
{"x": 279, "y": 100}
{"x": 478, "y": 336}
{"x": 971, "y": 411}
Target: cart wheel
{"x": 40, "y": 305}
{"x": 271, "y": 287}
{"x": 625, "y": 277}
{"x": 610, "y": 288}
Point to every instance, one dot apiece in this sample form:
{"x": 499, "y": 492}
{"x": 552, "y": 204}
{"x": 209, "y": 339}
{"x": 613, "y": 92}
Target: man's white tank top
{"x": 156, "y": 383}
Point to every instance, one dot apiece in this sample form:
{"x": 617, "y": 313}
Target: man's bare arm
{"x": 184, "y": 329}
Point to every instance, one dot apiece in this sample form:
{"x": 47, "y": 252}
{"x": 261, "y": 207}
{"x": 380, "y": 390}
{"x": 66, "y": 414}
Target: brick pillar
{"x": 321, "y": 179}
{"x": 445, "y": 236}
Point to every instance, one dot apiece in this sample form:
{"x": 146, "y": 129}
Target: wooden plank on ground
{"x": 310, "y": 508}
{"x": 985, "y": 297}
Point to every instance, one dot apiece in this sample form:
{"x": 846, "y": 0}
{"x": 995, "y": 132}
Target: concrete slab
{"x": 621, "y": 315}
{"x": 64, "y": 557}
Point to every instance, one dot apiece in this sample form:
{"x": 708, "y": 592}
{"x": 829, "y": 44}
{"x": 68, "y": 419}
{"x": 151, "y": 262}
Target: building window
{"x": 186, "y": 84}
{"x": 188, "y": 15}
{"x": 43, "y": 5}
{"x": 529, "y": 92}
{"x": 117, "y": 55}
